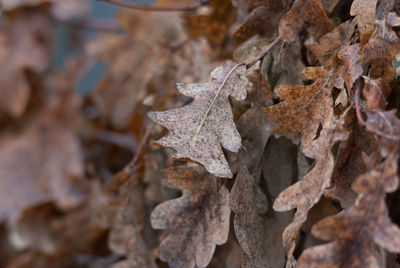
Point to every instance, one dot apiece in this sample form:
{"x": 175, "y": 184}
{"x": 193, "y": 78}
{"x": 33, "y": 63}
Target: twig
{"x": 357, "y": 103}
{"x": 96, "y": 25}
{"x": 213, "y": 101}
{"x": 155, "y": 8}
{"x": 264, "y": 52}
{"x": 141, "y": 146}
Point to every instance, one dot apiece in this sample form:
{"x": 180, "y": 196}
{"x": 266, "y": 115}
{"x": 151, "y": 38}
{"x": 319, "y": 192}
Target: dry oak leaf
{"x": 328, "y": 46}
{"x": 41, "y": 164}
{"x": 263, "y": 20}
{"x": 62, "y": 9}
{"x": 350, "y": 55}
{"x": 349, "y": 160}
{"x": 354, "y": 230}
{"x": 24, "y": 45}
{"x": 305, "y": 12}
{"x": 214, "y": 25}
{"x": 380, "y": 51}
{"x": 385, "y": 123}
{"x": 304, "y": 194}
{"x": 375, "y": 92}
{"x": 249, "y": 203}
{"x": 196, "y": 222}
{"x": 303, "y": 108}
{"x": 120, "y": 89}
{"x": 254, "y": 127}
{"x": 365, "y": 12}
{"x": 197, "y": 129}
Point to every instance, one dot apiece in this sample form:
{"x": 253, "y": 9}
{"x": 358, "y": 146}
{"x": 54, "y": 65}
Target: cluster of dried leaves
{"x": 260, "y": 108}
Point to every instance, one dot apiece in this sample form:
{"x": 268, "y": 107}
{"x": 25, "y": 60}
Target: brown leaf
{"x": 281, "y": 167}
{"x": 62, "y": 9}
{"x": 353, "y": 231}
{"x": 121, "y": 88}
{"x": 198, "y": 129}
{"x": 129, "y": 225}
{"x": 303, "y": 108}
{"x": 24, "y": 45}
{"x": 249, "y": 202}
{"x": 262, "y": 20}
{"x": 365, "y": 11}
{"x": 253, "y": 126}
{"x": 375, "y": 92}
{"x": 380, "y": 51}
{"x": 305, "y": 12}
{"x": 385, "y": 123}
{"x": 328, "y": 46}
{"x": 350, "y": 55}
{"x": 38, "y": 165}
{"x": 349, "y": 162}
{"x": 214, "y": 26}
{"x": 304, "y": 194}
{"x": 196, "y": 222}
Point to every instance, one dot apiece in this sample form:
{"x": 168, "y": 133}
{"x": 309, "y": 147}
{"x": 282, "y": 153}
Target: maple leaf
{"x": 249, "y": 203}
{"x": 196, "y": 222}
{"x": 353, "y": 230}
{"x": 197, "y": 129}
{"x": 304, "y": 194}
{"x": 305, "y": 12}
{"x": 303, "y": 108}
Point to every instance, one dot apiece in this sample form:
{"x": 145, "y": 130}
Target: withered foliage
{"x": 232, "y": 133}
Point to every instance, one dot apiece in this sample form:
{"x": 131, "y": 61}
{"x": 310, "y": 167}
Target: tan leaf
{"x": 263, "y": 20}
{"x": 62, "y": 9}
{"x": 196, "y": 222}
{"x": 121, "y": 88}
{"x": 365, "y": 12}
{"x": 385, "y": 123}
{"x": 197, "y": 129}
{"x": 253, "y": 125}
{"x": 304, "y": 194}
{"x": 350, "y": 55}
{"x": 24, "y": 45}
{"x": 353, "y": 231}
{"x": 375, "y": 92}
{"x": 328, "y": 46}
{"x": 214, "y": 26}
{"x": 40, "y": 165}
{"x": 349, "y": 160}
{"x": 305, "y": 12}
{"x": 303, "y": 108}
{"x": 249, "y": 202}
{"x": 380, "y": 51}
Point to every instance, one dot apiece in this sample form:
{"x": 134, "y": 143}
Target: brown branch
{"x": 95, "y": 25}
{"x": 360, "y": 119}
{"x": 264, "y": 52}
{"x": 154, "y": 8}
{"x": 141, "y": 147}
